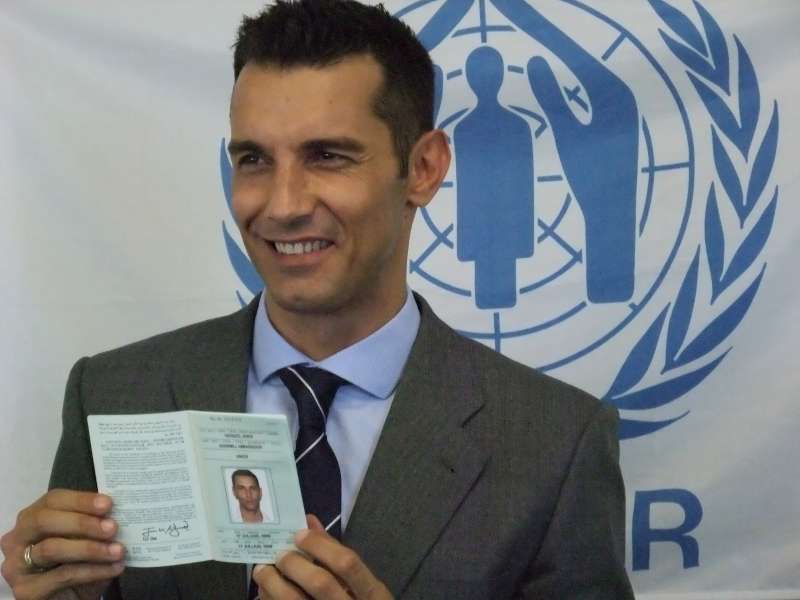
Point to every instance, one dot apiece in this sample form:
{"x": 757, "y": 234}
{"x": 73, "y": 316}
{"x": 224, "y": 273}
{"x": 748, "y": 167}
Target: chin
{"x": 306, "y": 302}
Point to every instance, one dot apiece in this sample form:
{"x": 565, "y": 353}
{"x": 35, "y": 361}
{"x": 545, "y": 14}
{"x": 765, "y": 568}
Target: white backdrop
{"x": 111, "y": 121}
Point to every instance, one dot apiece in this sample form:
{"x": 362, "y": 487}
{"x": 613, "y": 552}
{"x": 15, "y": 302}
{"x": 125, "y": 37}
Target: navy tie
{"x": 313, "y": 390}
{"x": 320, "y": 479}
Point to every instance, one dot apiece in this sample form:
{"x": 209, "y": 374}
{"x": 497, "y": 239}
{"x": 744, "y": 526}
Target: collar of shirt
{"x": 373, "y": 364}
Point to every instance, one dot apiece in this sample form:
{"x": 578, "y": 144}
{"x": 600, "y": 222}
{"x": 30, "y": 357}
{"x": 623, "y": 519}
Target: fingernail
{"x": 102, "y": 503}
{"x": 301, "y": 535}
{"x": 257, "y": 568}
{"x": 280, "y": 556}
{"x": 107, "y": 525}
{"x": 116, "y": 550}
{"x": 118, "y": 567}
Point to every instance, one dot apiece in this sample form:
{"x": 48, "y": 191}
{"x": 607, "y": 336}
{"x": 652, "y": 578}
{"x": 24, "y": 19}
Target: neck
{"x": 251, "y": 516}
{"x": 323, "y": 334}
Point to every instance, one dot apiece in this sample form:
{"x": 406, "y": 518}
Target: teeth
{"x": 301, "y": 247}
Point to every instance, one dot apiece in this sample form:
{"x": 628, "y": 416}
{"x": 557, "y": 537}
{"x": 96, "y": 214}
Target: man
{"x": 247, "y": 492}
{"x": 463, "y": 474}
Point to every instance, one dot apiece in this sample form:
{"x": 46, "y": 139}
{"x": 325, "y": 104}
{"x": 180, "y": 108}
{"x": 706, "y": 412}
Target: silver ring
{"x": 32, "y": 566}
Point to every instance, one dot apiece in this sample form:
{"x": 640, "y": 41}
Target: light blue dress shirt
{"x": 372, "y": 366}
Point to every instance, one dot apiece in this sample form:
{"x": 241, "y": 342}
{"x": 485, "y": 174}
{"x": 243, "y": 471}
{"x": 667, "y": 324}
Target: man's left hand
{"x": 325, "y": 570}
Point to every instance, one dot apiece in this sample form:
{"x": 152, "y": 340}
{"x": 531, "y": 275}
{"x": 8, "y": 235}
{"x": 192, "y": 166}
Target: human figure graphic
{"x": 599, "y": 158}
{"x": 495, "y": 204}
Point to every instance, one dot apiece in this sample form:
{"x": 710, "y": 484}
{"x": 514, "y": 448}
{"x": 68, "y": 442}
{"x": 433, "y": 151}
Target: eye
{"x": 253, "y": 164}
{"x": 247, "y": 159}
{"x": 329, "y": 159}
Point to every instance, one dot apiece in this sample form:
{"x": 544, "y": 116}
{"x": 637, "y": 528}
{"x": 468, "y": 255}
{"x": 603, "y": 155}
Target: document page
{"x": 146, "y": 464}
{"x": 253, "y": 499}
{"x": 192, "y": 486}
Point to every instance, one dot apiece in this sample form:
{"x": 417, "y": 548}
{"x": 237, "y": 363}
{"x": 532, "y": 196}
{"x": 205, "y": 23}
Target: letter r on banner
{"x": 644, "y": 534}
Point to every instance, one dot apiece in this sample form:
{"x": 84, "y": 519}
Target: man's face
{"x": 316, "y": 193}
{"x": 247, "y": 492}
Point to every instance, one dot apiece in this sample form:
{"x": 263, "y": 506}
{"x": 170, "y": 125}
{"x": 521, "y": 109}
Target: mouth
{"x": 300, "y": 247}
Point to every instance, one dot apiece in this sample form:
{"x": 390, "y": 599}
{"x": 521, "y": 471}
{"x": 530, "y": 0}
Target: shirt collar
{"x": 374, "y": 364}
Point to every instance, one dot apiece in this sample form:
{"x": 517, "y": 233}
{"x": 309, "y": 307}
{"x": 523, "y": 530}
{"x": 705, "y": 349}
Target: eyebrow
{"x": 240, "y": 146}
{"x": 345, "y": 144}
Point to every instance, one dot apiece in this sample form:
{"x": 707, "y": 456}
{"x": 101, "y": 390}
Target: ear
{"x": 427, "y": 167}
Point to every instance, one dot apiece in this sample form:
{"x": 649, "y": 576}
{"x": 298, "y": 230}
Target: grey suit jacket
{"x": 489, "y": 480}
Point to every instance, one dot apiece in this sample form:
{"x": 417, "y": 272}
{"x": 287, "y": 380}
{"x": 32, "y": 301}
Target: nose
{"x": 288, "y": 197}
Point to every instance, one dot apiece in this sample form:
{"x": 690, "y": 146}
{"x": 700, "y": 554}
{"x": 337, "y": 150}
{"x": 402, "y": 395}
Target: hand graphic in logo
{"x": 599, "y": 158}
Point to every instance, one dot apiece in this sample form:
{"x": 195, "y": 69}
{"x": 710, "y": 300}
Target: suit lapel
{"x": 212, "y": 375}
{"x": 424, "y": 463}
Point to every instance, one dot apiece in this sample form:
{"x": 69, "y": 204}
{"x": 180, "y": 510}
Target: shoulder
{"x": 542, "y": 402}
{"x": 211, "y": 335}
{"x": 492, "y": 370}
{"x": 141, "y": 376}
{"x": 514, "y": 396}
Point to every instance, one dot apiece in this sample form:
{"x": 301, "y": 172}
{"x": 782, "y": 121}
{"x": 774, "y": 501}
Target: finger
{"x": 313, "y": 579}
{"x": 45, "y": 522}
{"x": 342, "y": 562}
{"x": 55, "y": 551}
{"x": 52, "y": 553}
{"x": 273, "y": 585}
{"x": 89, "y": 503}
{"x": 314, "y": 522}
{"x": 548, "y": 93}
{"x": 43, "y": 585}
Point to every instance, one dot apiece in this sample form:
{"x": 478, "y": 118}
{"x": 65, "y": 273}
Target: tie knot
{"x": 313, "y": 390}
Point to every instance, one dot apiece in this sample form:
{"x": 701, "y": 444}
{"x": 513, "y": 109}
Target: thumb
{"x": 548, "y": 93}
{"x": 314, "y": 523}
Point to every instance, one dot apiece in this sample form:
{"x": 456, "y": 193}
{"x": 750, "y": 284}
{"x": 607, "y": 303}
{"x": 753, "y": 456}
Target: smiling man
{"x": 324, "y": 211}
{"x": 430, "y": 466}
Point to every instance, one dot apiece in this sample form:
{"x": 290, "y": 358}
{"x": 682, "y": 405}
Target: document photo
{"x": 250, "y": 498}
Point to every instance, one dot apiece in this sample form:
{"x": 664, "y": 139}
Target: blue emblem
{"x": 577, "y": 231}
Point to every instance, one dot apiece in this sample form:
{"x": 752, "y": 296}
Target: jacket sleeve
{"x": 583, "y": 554}
{"x": 73, "y": 468}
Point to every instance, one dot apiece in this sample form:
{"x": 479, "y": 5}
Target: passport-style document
{"x": 172, "y": 478}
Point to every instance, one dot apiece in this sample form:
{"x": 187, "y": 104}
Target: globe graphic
{"x": 553, "y": 321}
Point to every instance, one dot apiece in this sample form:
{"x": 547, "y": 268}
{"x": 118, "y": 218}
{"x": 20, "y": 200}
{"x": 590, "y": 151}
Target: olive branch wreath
{"x": 708, "y": 66}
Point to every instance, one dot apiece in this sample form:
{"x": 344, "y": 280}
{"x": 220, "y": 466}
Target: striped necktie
{"x": 313, "y": 390}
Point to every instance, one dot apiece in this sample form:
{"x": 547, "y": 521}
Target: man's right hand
{"x": 73, "y": 551}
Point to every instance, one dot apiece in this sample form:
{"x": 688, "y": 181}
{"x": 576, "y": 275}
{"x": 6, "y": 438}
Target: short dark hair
{"x": 319, "y": 33}
{"x": 244, "y": 473}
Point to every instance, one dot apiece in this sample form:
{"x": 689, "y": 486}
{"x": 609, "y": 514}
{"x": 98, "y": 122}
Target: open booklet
{"x": 192, "y": 486}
